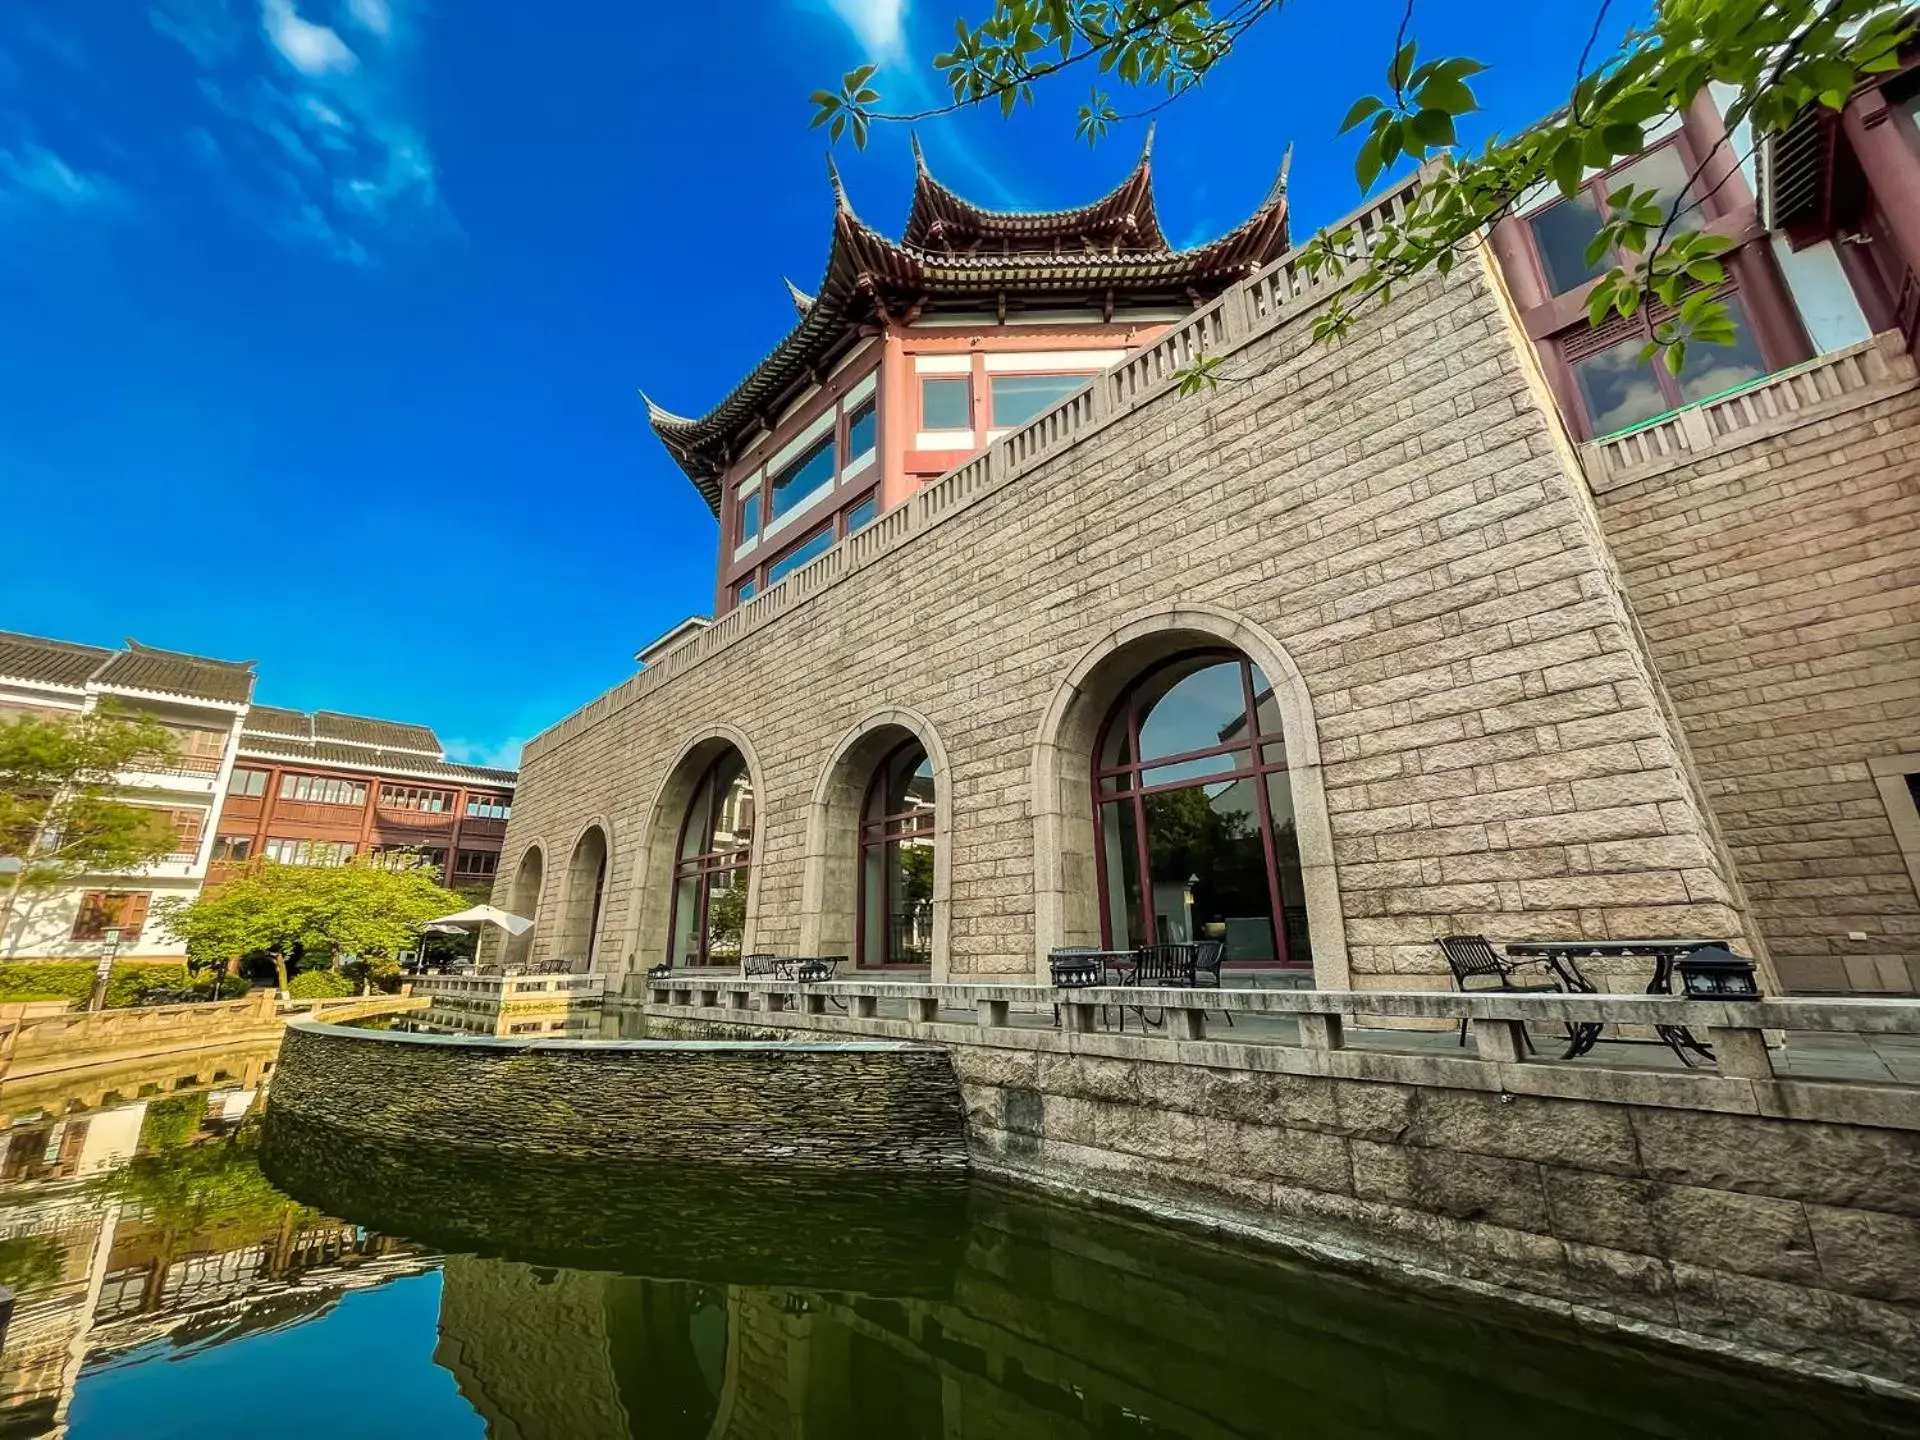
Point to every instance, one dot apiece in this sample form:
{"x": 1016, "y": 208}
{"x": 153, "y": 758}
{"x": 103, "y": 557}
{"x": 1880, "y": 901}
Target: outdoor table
{"x": 1562, "y": 956}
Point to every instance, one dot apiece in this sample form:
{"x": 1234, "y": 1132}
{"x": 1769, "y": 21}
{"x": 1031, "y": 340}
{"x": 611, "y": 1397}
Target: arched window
{"x": 896, "y": 860}
{"x": 1194, "y": 831}
{"x": 710, "y": 873}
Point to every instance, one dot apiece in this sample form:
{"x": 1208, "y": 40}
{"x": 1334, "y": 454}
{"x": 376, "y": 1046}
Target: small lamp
{"x": 1714, "y": 972}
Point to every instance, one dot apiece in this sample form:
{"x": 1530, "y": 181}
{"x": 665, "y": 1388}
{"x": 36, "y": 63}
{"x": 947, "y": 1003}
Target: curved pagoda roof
{"x": 957, "y": 255}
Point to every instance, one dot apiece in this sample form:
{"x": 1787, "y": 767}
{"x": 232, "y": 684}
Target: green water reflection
{"x": 185, "y": 1270}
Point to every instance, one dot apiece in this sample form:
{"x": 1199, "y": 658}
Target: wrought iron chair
{"x": 759, "y": 966}
{"x": 1076, "y": 967}
{"x": 1477, "y": 966}
{"x": 1207, "y": 958}
{"x": 662, "y": 971}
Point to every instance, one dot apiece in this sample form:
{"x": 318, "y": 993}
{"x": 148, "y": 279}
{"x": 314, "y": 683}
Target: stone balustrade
{"x": 1362, "y": 1035}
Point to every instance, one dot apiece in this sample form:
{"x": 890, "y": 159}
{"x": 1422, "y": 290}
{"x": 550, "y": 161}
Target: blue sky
{"x": 322, "y": 321}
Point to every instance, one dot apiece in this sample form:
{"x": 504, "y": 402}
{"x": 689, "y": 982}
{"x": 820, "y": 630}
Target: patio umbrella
{"x": 478, "y": 917}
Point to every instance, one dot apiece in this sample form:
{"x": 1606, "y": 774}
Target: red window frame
{"x": 1127, "y": 794}
{"x": 702, "y": 866}
{"x": 878, "y": 830}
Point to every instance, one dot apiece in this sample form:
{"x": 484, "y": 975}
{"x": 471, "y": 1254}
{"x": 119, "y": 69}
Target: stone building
{"x": 1449, "y": 626}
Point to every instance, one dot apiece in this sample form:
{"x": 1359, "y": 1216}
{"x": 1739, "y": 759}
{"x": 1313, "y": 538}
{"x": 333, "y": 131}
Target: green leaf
{"x": 1363, "y": 107}
{"x": 1565, "y": 167}
{"x": 1676, "y": 356}
{"x": 1402, "y": 67}
{"x": 1600, "y": 302}
{"x": 1444, "y": 93}
{"x": 1432, "y": 128}
{"x": 1367, "y": 164}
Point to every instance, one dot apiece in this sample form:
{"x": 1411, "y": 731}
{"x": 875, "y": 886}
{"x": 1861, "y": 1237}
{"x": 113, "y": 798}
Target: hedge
{"x": 131, "y": 983}
{"x": 319, "y": 985}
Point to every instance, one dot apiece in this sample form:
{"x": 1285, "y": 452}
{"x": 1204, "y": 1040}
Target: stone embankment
{"x": 1774, "y": 1213}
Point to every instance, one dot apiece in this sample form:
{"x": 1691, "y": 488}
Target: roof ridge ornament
{"x": 839, "y": 188}
{"x": 802, "y": 301}
{"x": 1146, "y": 149}
{"x": 919, "y": 155}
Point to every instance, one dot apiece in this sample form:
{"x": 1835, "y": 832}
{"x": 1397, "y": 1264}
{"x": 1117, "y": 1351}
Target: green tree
{"x": 30, "y": 1262}
{"x": 1777, "y": 57}
{"x": 60, "y": 811}
{"x": 368, "y": 909}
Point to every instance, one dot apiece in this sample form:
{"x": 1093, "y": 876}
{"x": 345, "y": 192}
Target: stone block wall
{"x": 1392, "y": 520}
{"x": 844, "y": 1106}
{"x": 1778, "y": 586}
{"x": 1800, "y": 1238}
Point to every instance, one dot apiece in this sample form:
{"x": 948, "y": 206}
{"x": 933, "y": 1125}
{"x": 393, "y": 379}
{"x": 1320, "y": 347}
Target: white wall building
{"x": 203, "y": 702}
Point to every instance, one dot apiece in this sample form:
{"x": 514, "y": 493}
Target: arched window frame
{"x": 1128, "y": 795}
{"x": 877, "y": 830}
{"x": 706, "y": 863}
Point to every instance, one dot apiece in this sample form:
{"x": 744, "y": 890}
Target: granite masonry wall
{"x": 1391, "y": 526}
{"x": 860, "y": 1105}
{"x": 1778, "y": 586}
{"x": 1794, "y": 1237}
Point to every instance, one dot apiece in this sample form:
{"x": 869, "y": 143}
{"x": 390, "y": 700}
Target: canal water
{"x": 183, "y": 1270}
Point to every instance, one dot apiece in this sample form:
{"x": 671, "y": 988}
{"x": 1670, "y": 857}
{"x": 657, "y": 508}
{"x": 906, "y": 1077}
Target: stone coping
{"x": 1868, "y": 1016}
{"x": 1889, "y": 1106}
{"x": 517, "y": 1043}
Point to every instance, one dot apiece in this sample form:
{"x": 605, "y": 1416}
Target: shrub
{"x": 72, "y": 981}
{"x": 319, "y": 985}
{"x": 172, "y": 1121}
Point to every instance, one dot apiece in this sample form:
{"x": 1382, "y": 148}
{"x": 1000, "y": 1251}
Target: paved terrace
{"x": 1776, "y": 1056}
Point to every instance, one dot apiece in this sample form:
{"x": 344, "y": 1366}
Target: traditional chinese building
{"x": 1467, "y": 622}
{"x": 912, "y": 355}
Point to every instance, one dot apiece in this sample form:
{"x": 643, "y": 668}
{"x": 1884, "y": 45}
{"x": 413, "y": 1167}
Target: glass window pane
{"x": 745, "y": 590}
{"x": 1619, "y": 389}
{"x": 1224, "y": 763}
{"x": 750, "y": 517}
{"x": 1208, "y": 869}
{"x": 1197, "y": 707}
{"x": 1714, "y": 369}
{"x": 1120, "y": 843}
{"x": 1018, "y": 398}
{"x": 863, "y": 514}
{"x": 811, "y": 548}
{"x": 860, "y": 432}
{"x": 1561, "y": 234}
{"x": 1665, "y": 173}
{"x": 943, "y": 404}
{"x": 726, "y": 917}
{"x": 800, "y": 479}
{"x": 1286, "y": 854}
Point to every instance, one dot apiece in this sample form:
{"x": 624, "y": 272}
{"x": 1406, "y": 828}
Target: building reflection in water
{"x": 133, "y": 1217}
{"x": 578, "y": 1302}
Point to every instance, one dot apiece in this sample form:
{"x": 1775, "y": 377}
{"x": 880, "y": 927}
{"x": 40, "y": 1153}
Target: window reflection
{"x": 1715, "y": 369}
{"x": 1619, "y": 388}
{"x": 1202, "y": 847}
{"x": 711, "y": 873}
{"x": 897, "y": 842}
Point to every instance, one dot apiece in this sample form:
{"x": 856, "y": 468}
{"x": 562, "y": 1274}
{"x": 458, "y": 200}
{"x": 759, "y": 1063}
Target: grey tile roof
{"x": 368, "y": 758}
{"x": 388, "y": 734}
{"x": 140, "y": 667}
{"x": 51, "y": 662}
{"x": 271, "y": 720}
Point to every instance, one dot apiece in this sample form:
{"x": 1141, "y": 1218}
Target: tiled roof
{"x": 388, "y": 734}
{"x": 1025, "y": 256}
{"x": 270, "y": 720}
{"x": 330, "y": 725}
{"x": 51, "y": 662}
{"x": 138, "y": 667}
{"x": 368, "y": 758}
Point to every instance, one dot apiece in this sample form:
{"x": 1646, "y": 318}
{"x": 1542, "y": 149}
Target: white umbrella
{"x": 478, "y": 917}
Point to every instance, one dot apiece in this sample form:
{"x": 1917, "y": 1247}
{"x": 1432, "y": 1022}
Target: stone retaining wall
{"x": 1645, "y": 1198}
{"x": 847, "y": 1104}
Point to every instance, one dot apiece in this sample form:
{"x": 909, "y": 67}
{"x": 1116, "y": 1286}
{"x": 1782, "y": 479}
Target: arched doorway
{"x": 898, "y": 845}
{"x": 586, "y": 891}
{"x": 524, "y": 899}
{"x": 1194, "y": 829}
{"x": 713, "y": 866}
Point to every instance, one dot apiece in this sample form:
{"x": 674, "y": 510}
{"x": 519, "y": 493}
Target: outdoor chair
{"x": 759, "y": 966}
{"x": 1207, "y": 958}
{"x": 662, "y": 971}
{"x": 1477, "y": 966}
{"x": 1076, "y": 967}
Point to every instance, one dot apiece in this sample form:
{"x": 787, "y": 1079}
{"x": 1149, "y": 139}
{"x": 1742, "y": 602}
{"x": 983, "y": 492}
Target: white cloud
{"x": 311, "y": 49}
{"x": 35, "y": 175}
{"x": 880, "y": 25}
{"x": 371, "y": 15}
{"x": 503, "y": 756}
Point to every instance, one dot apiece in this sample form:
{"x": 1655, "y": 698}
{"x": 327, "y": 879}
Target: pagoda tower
{"x": 912, "y": 355}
